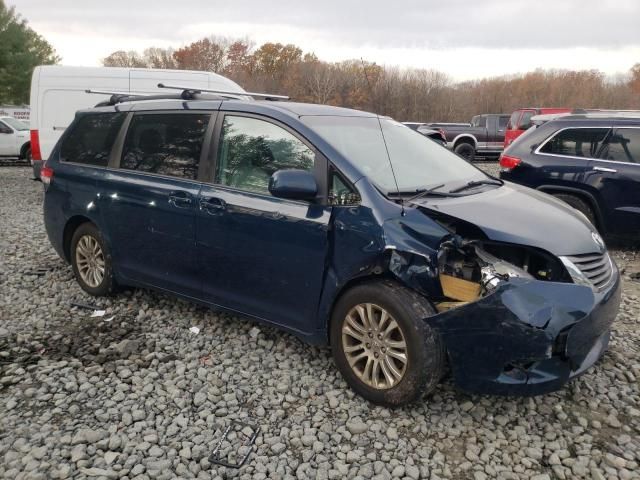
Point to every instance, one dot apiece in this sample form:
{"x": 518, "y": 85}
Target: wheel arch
{"x": 353, "y": 282}
{"x": 70, "y": 227}
{"x": 465, "y": 138}
{"x": 23, "y": 149}
{"x": 580, "y": 193}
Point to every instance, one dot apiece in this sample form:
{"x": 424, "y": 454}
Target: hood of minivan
{"x": 520, "y": 215}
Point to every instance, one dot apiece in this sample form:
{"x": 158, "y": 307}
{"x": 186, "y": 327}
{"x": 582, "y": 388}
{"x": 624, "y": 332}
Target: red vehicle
{"x": 521, "y": 120}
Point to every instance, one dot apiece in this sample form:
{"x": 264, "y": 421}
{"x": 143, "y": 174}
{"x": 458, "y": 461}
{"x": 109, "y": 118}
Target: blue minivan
{"x": 341, "y": 227}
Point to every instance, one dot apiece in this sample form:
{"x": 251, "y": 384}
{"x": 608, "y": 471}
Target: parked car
{"x": 520, "y": 121}
{"x": 14, "y": 138}
{"x": 590, "y": 161}
{"x": 338, "y": 226}
{"x": 483, "y": 136}
{"x": 58, "y": 91}
{"x": 435, "y": 134}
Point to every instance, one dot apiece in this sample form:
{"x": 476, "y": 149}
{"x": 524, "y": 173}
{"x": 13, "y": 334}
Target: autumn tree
{"x": 403, "y": 93}
{"x": 121, "y": 58}
{"x": 206, "y": 54}
{"x": 21, "y": 50}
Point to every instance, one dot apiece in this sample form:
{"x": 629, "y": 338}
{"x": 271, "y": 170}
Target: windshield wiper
{"x": 424, "y": 192}
{"x": 475, "y": 183}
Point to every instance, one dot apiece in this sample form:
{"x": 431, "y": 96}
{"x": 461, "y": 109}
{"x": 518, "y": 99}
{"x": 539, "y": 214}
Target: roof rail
{"x": 266, "y": 96}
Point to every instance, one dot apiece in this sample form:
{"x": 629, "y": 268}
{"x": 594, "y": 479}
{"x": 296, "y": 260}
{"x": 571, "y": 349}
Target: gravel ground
{"x": 141, "y": 396}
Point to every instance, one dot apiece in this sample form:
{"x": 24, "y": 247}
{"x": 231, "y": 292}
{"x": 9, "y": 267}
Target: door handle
{"x": 180, "y": 199}
{"x": 605, "y": 169}
{"x": 212, "y": 205}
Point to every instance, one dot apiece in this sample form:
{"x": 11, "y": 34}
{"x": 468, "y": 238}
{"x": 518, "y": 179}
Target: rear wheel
{"x": 383, "y": 347}
{"x": 579, "y": 204}
{"x": 91, "y": 261}
{"x": 466, "y": 151}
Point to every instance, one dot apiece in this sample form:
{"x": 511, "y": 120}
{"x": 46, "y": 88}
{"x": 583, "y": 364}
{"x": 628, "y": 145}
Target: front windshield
{"x": 418, "y": 162}
{"x": 15, "y": 124}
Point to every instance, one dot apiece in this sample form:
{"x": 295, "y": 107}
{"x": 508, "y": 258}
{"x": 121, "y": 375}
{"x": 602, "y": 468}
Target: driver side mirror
{"x": 5, "y": 130}
{"x": 293, "y": 185}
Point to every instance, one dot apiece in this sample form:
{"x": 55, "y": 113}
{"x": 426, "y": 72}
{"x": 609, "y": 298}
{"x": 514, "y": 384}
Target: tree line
{"x": 404, "y": 94}
{"x": 21, "y": 50}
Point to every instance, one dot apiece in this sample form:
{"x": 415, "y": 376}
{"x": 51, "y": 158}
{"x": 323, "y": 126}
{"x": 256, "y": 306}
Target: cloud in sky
{"x": 463, "y": 38}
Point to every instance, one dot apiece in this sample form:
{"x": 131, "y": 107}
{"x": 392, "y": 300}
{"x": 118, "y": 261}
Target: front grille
{"x": 595, "y": 266}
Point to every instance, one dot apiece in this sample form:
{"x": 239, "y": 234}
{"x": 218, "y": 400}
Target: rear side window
{"x": 576, "y": 142}
{"x": 479, "y": 121}
{"x": 165, "y": 144}
{"x": 90, "y": 138}
{"x": 502, "y": 122}
{"x": 513, "y": 121}
{"x": 525, "y": 120}
{"x": 623, "y": 146}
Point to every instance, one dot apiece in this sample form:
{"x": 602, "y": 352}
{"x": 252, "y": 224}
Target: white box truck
{"x": 58, "y": 92}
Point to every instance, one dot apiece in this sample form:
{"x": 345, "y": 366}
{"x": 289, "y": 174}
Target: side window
{"x": 513, "y": 121}
{"x": 251, "y": 150}
{"x": 166, "y": 144}
{"x": 91, "y": 137}
{"x": 623, "y": 146}
{"x": 576, "y": 142}
{"x": 525, "y": 120}
{"x": 340, "y": 193}
{"x": 502, "y": 122}
{"x": 479, "y": 121}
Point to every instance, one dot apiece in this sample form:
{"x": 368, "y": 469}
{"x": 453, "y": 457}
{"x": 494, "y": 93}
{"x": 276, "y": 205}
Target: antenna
{"x": 384, "y": 140}
{"x": 266, "y": 96}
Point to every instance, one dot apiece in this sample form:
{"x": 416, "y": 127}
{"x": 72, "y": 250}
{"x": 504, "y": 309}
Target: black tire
{"x": 426, "y": 356}
{"x": 108, "y": 284}
{"x": 466, "y": 151}
{"x": 579, "y": 204}
{"x": 27, "y": 156}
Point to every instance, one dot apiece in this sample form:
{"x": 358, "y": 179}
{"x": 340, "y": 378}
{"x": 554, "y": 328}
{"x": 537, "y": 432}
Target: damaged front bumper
{"x": 528, "y": 336}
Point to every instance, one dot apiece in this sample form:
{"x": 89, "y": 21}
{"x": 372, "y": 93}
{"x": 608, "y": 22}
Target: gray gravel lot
{"x": 141, "y": 396}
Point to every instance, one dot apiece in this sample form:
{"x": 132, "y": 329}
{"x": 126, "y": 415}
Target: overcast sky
{"x": 464, "y": 38}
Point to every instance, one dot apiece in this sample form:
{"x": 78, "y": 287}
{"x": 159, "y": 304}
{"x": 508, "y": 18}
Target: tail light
{"x": 36, "y": 153}
{"x": 508, "y": 163}
{"x": 46, "y": 175}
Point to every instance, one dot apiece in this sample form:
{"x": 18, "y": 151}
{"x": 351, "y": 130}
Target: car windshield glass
{"x": 16, "y": 124}
{"x": 418, "y": 162}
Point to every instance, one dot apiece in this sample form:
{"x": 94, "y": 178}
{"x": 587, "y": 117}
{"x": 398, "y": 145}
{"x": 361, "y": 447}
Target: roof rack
{"x": 121, "y": 97}
{"x": 266, "y": 96}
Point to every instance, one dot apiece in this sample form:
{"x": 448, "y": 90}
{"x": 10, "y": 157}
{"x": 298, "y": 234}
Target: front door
{"x": 261, "y": 255}
{"x": 7, "y": 140}
{"x": 617, "y": 175}
{"x": 149, "y": 201}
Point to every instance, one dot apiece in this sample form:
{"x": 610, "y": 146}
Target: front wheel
{"x": 466, "y": 151}
{"x": 382, "y": 346}
{"x": 91, "y": 261}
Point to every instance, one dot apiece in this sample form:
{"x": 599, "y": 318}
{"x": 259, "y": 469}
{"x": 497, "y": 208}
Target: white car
{"x": 59, "y": 91}
{"x": 14, "y": 138}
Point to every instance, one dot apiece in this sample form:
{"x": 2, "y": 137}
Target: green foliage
{"x": 21, "y": 50}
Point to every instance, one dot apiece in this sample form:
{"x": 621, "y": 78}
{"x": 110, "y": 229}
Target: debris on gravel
{"x": 141, "y": 397}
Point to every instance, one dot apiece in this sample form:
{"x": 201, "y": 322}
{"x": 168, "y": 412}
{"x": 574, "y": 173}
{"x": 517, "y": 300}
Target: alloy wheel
{"x": 374, "y": 346}
{"x": 90, "y": 261}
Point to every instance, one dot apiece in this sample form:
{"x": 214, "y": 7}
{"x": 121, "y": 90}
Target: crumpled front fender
{"x": 498, "y": 341}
